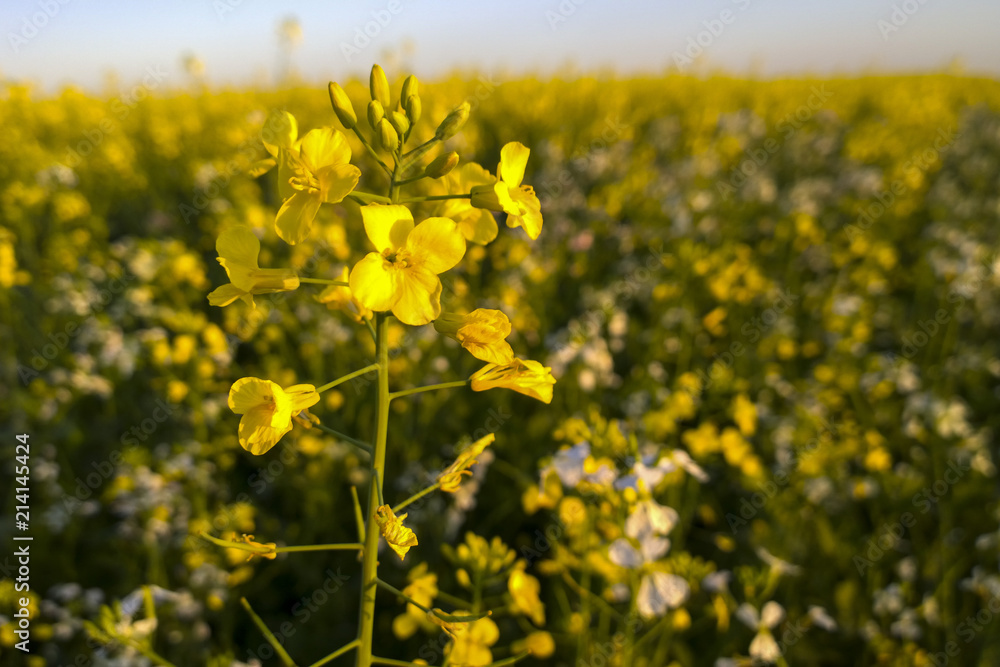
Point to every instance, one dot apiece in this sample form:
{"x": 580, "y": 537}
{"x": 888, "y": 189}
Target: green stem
{"x": 423, "y": 148}
{"x": 346, "y": 438}
{"x": 359, "y": 517}
{"x": 416, "y": 496}
{"x": 346, "y": 546}
{"x": 368, "y": 198}
{"x": 271, "y": 639}
{"x": 349, "y": 376}
{"x": 430, "y": 387}
{"x": 336, "y": 654}
{"x": 391, "y": 661}
{"x": 371, "y": 151}
{"x": 323, "y": 281}
{"x": 369, "y": 567}
{"x": 417, "y": 200}
{"x": 395, "y": 591}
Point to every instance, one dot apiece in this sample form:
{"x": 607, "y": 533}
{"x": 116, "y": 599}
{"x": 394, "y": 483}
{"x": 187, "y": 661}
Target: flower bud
{"x": 342, "y": 106}
{"x": 441, "y": 165}
{"x": 409, "y": 87}
{"x": 453, "y": 122}
{"x": 400, "y": 122}
{"x": 387, "y": 136}
{"x": 375, "y": 113}
{"x": 413, "y": 108}
{"x": 379, "y": 86}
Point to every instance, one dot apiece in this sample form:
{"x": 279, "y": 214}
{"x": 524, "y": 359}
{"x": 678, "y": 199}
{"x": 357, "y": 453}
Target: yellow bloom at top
{"x": 399, "y": 537}
{"x": 313, "y": 170}
{"x": 481, "y": 332}
{"x": 238, "y": 249}
{"x": 451, "y": 478}
{"x": 267, "y": 410}
{"x": 518, "y": 201}
{"x": 477, "y": 224}
{"x": 403, "y": 275}
{"x": 522, "y": 375}
{"x": 339, "y": 297}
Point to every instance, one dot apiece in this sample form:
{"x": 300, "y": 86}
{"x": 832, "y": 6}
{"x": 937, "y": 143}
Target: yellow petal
{"x": 261, "y": 167}
{"x": 373, "y": 282}
{"x": 387, "y": 226}
{"x": 436, "y": 244}
{"x": 481, "y": 228}
{"x": 302, "y": 396}
{"x": 249, "y": 393}
{"x": 256, "y": 434}
{"x": 279, "y": 131}
{"x": 238, "y": 245}
{"x": 324, "y": 146}
{"x": 337, "y": 181}
{"x": 513, "y": 159}
{"x": 498, "y": 352}
{"x": 225, "y": 295}
{"x": 418, "y": 294}
{"x": 296, "y": 216}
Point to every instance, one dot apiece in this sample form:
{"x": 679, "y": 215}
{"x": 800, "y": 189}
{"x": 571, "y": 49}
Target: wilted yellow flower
{"x": 481, "y": 332}
{"x": 522, "y": 375}
{"x": 267, "y": 410}
{"x": 238, "y": 249}
{"x": 472, "y": 641}
{"x": 451, "y": 478}
{"x": 507, "y": 194}
{"x": 265, "y": 550}
{"x": 399, "y": 537}
{"x": 313, "y": 170}
{"x": 339, "y": 297}
{"x": 476, "y": 224}
{"x": 524, "y": 592}
{"x": 403, "y": 275}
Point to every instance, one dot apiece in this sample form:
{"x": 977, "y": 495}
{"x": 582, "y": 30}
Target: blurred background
{"x": 767, "y": 284}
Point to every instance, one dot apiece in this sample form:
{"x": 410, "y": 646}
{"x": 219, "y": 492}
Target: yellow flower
{"x": 279, "y": 131}
{"x": 403, "y": 275}
{"x": 399, "y": 537}
{"x": 472, "y": 642}
{"x": 539, "y": 644}
{"x": 267, "y": 410}
{"x": 238, "y": 249}
{"x": 477, "y": 224}
{"x": 339, "y": 297}
{"x": 422, "y": 589}
{"x": 313, "y": 170}
{"x": 524, "y": 591}
{"x": 265, "y": 550}
{"x": 522, "y": 375}
{"x": 745, "y": 415}
{"x": 481, "y": 332}
{"x": 451, "y": 478}
{"x": 518, "y": 201}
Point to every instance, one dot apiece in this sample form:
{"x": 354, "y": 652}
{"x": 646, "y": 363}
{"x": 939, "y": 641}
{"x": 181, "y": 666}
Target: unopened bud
{"x": 379, "y": 86}
{"x": 413, "y": 108}
{"x": 342, "y": 106}
{"x": 409, "y": 87}
{"x": 453, "y": 122}
{"x": 375, "y": 113}
{"x": 387, "y": 136}
{"x": 400, "y": 122}
{"x": 441, "y": 165}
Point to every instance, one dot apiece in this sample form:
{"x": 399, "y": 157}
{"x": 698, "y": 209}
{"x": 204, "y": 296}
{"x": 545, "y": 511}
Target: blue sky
{"x": 59, "y": 42}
